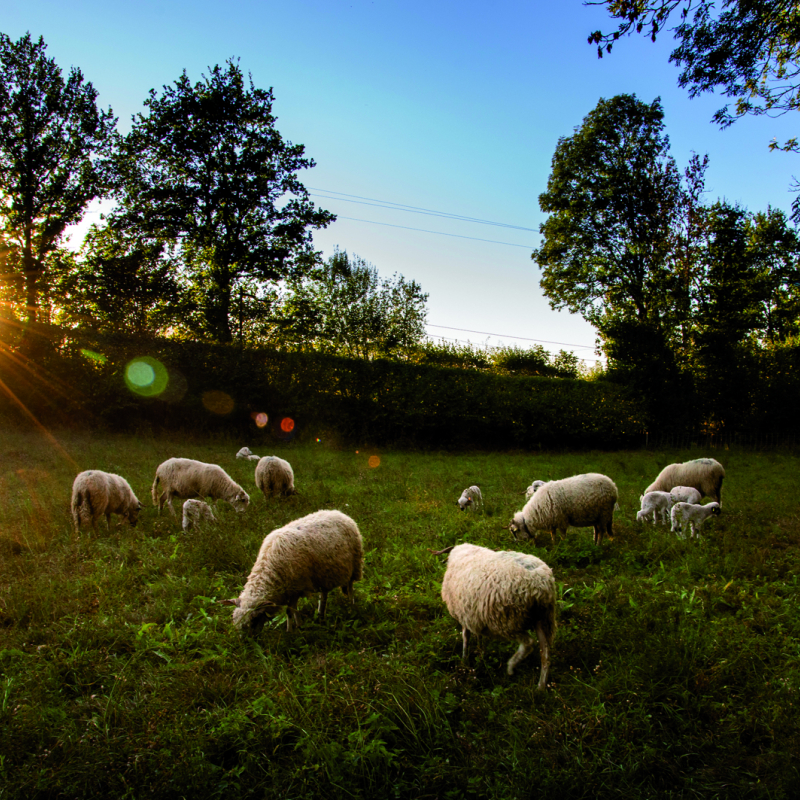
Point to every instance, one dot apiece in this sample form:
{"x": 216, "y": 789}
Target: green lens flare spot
{"x": 146, "y": 377}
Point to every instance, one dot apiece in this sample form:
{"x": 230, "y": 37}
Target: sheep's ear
{"x": 234, "y": 601}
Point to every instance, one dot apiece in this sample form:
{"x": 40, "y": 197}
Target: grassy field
{"x": 675, "y": 671}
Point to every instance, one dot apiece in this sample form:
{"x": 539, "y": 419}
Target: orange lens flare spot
{"x": 218, "y": 402}
{"x": 287, "y": 424}
{"x": 261, "y": 419}
{"x": 374, "y": 461}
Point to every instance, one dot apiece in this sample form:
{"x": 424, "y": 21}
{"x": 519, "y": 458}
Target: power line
{"x": 510, "y": 336}
{"x": 438, "y": 233}
{"x": 392, "y": 206}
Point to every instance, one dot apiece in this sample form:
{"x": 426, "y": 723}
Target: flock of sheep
{"x": 503, "y": 594}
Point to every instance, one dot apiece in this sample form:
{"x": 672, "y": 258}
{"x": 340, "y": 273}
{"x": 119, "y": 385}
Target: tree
{"x": 346, "y": 308}
{"x": 53, "y": 142}
{"x": 206, "y": 169}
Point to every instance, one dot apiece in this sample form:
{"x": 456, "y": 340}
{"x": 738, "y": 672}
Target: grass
{"x": 675, "y": 668}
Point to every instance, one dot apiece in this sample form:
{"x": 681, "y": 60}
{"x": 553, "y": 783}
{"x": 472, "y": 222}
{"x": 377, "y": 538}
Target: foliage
{"x": 205, "y": 170}
{"x": 53, "y": 141}
{"x": 746, "y": 49}
{"x": 121, "y": 674}
{"x": 344, "y": 307}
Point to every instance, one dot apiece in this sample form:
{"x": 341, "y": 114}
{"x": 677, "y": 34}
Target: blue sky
{"x": 454, "y": 107}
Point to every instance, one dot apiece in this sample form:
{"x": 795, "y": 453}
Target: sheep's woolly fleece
{"x": 275, "y": 476}
{"x": 96, "y": 493}
{"x": 504, "y": 595}
{"x": 703, "y": 474}
{"x": 317, "y": 553}
{"x": 186, "y": 478}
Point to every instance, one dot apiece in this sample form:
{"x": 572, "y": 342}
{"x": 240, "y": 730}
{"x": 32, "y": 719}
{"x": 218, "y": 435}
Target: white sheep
{"x": 685, "y": 494}
{"x": 194, "y": 512}
{"x": 96, "y": 493}
{"x": 655, "y": 503}
{"x": 531, "y": 490}
{"x": 316, "y": 553}
{"x": 579, "y": 501}
{"x": 247, "y": 454}
{"x": 275, "y": 476}
{"x": 693, "y": 514}
{"x": 470, "y": 498}
{"x": 703, "y": 474}
{"x": 187, "y": 478}
{"x": 504, "y": 595}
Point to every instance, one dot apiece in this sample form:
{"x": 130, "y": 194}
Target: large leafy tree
{"x": 206, "y": 169}
{"x": 53, "y": 144}
{"x": 347, "y": 308}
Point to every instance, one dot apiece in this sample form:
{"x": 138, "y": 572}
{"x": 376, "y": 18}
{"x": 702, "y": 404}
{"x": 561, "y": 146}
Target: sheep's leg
{"x": 525, "y": 647}
{"x": 544, "y": 650}
{"x": 323, "y": 603}
{"x": 293, "y": 618}
{"x": 465, "y": 639}
{"x": 350, "y": 593}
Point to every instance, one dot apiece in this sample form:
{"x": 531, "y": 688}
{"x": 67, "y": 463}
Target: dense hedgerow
{"x": 675, "y": 666}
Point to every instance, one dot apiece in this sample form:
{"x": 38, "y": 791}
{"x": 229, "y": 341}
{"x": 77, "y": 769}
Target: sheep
{"x": 316, "y": 553}
{"x": 531, "y": 490}
{"x": 703, "y": 474}
{"x": 502, "y": 594}
{"x": 96, "y": 493}
{"x": 470, "y": 498}
{"x": 578, "y": 501}
{"x": 655, "y": 503}
{"x": 685, "y": 494}
{"x": 194, "y": 511}
{"x": 186, "y": 478}
{"x": 683, "y": 513}
{"x": 275, "y": 476}
{"x": 247, "y": 454}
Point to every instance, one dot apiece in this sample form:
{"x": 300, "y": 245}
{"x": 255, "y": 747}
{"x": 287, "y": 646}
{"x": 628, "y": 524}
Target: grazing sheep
{"x": 247, "y": 454}
{"x": 685, "y": 494}
{"x": 531, "y": 490}
{"x": 96, "y": 493}
{"x": 194, "y": 511}
{"x": 683, "y": 513}
{"x": 655, "y": 503}
{"x": 275, "y": 476}
{"x": 185, "y": 478}
{"x": 578, "y": 501}
{"x": 703, "y": 474}
{"x": 470, "y": 498}
{"x": 504, "y": 595}
{"x": 316, "y": 553}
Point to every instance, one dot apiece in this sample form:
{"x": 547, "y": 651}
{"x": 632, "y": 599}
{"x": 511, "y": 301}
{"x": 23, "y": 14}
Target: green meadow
{"x": 676, "y": 665}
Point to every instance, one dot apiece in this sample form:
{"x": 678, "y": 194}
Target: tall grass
{"x": 675, "y": 668}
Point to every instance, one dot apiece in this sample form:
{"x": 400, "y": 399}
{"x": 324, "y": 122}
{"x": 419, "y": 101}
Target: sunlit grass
{"x": 675, "y": 667}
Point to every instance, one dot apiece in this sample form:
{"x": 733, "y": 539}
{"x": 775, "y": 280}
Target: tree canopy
{"x": 206, "y": 169}
{"x": 53, "y": 144}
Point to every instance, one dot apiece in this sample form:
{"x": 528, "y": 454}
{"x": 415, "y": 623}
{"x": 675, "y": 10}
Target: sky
{"x": 454, "y": 108}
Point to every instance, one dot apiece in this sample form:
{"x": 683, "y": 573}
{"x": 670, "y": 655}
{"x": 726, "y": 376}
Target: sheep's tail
{"x": 548, "y": 621}
{"x": 153, "y": 491}
{"x": 78, "y": 501}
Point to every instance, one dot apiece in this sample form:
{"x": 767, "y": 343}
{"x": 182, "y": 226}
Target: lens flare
{"x": 261, "y": 419}
{"x": 374, "y": 461}
{"x": 146, "y": 376}
{"x": 287, "y": 424}
{"x": 218, "y": 402}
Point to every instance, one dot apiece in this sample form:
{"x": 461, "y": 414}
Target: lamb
{"x": 275, "y": 476}
{"x": 683, "y": 513}
{"x": 96, "y": 493}
{"x": 685, "y": 494}
{"x": 194, "y": 511}
{"x": 531, "y": 490}
{"x": 470, "y": 498}
{"x": 579, "y": 501}
{"x": 186, "y": 478}
{"x": 247, "y": 454}
{"x": 703, "y": 474}
{"x": 316, "y": 553}
{"x": 655, "y": 503}
{"x": 503, "y": 595}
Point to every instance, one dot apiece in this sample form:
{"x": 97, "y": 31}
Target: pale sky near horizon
{"x": 450, "y": 107}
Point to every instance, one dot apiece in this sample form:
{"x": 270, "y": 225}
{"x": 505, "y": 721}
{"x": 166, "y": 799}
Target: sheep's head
{"x": 133, "y": 513}
{"x": 716, "y": 509}
{"x": 463, "y": 502}
{"x": 251, "y": 620}
{"x": 518, "y": 526}
{"x": 240, "y": 501}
